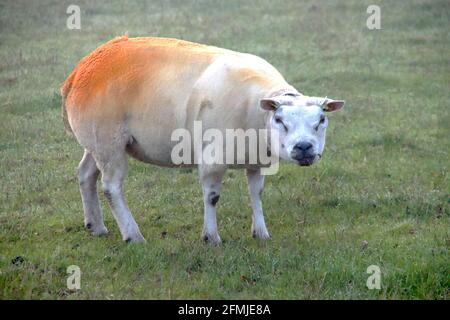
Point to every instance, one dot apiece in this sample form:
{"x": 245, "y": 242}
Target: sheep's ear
{"x": 327, "y": 105}
{"x": 270, "y": 104}
{"x": 332, "y": 105}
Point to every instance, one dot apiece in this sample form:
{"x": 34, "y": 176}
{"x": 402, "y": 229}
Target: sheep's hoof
{"x": 213, "y": 239}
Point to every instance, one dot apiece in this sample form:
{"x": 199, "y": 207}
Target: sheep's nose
{"x": 303, "y": 152}
{"x": 303, "y": 146}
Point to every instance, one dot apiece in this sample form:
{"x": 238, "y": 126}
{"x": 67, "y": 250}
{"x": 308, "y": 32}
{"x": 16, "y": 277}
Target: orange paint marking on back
{"x": 125, "y": 63}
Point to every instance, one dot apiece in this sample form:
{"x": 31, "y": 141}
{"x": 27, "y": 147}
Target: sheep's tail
{"x": 65, "y": 89}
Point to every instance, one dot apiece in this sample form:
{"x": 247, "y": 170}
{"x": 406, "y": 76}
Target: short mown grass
{"x": 380, "y": 196}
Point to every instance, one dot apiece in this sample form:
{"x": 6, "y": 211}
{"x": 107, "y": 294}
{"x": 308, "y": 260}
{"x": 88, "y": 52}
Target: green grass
{"x": 384, "y": 177}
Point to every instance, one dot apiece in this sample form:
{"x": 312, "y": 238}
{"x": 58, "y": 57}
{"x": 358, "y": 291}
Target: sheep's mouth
{"x": 306, "y": 161}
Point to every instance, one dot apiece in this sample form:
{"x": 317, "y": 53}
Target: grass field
{"x": 380, "y": 196}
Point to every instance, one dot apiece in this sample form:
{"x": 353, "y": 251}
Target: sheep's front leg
{"x": 255, "y": 186}
{"x": 211, "y": 179}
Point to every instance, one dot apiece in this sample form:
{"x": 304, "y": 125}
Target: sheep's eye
{"x": 322, "y": 119}
{"x": 279, "y": 121}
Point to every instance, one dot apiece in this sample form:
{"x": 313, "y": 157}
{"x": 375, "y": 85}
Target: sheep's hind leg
{"x": 113, "y": 172}
{"x": 88, "y": 174}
